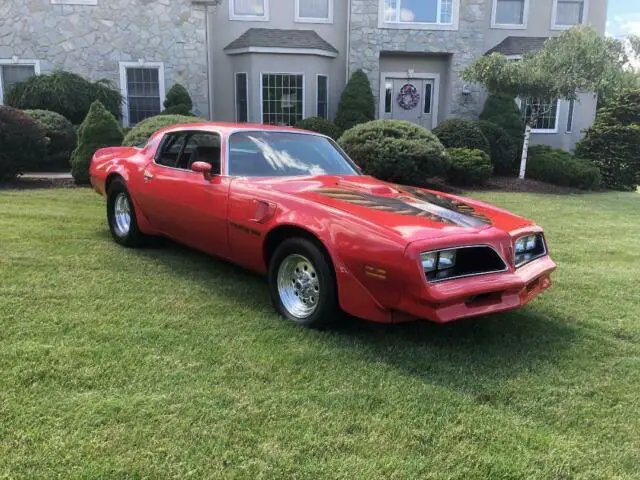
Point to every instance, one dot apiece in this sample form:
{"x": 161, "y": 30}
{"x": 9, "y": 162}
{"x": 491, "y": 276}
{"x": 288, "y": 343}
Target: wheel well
{"x": 111, "y": 178}
{"x": 279, "y": 234}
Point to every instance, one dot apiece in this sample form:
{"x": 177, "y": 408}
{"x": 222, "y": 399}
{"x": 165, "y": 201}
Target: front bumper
{"x": 478, "y": 295}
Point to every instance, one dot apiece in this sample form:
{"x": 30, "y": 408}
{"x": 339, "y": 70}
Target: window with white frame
{"x": 242, "y": 98}
{"x": 12, "y": 72}
{"x": 546, "y": 112}
{"x": 322, "y": 93}
{"x": 419, "y": 11}
{"x": 314, "y": 11}
{"x": 510, "y": 13}
{"x": 250, "y": 10}
{"x": 567, "y": 13}
{"x": 143, "y": 90}
{"x": 282, "y": 98}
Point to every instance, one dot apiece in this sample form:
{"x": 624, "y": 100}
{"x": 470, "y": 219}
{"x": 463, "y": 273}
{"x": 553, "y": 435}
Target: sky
{"x": 623, "y": 18}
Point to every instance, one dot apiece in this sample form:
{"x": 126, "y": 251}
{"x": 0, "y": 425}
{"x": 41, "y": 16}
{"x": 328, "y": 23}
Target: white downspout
{"x": 348, "y": 52}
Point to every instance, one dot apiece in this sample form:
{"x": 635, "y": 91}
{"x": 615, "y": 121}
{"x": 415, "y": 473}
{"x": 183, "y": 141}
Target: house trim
{"x": 249, "y": 18}
{"x": 16, "y": 61}
{"x": 522, "y": 26}
{"x": 123, "y": 83}
{"x": 299, "y": 19}
{"x": 384, "y": 76}
{"x": 455, "y": 16}
{"x": 554, "y": 12}
{"x": 304, "y": 91}
{"x": 282, "y": 51}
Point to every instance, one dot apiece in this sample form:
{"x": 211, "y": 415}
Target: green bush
{"x": 612, "y": 143}
{"x": 395, "y": 151}
{"x": 98, "y": 130}
{"x": 178, "y": 95}
{"x": 461, "y": 133}
{"x": 504, "y": 153}
{"x": 356, "y": 102}
{"x": 178, "y": 110}
{"x": 65, "y": 93}
{"x": 503, "y": 111}
{"x": 561, "y": 168}
{"x": 139, "y": 134}
{"x": 469, "y": 166}
{"x": 61, "y": 138}
{"x": 320, "y": 125}
{"x": 22, "y": 143}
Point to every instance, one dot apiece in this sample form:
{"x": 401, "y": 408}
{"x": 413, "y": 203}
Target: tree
{"x": 178, "y": 101}
{"x": 577, "y": 61}
{"x": 356, "y": 102}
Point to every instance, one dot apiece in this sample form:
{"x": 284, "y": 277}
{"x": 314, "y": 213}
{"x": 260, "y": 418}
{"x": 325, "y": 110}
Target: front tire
{"x": 302, "y": 284}
{"x": 121, "y": 216}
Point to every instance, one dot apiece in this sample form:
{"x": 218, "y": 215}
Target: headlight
{"x": 436, "y": 263}
{"x": 528, "y": 248}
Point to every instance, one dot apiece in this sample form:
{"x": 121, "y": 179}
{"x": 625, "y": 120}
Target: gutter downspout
{"x": 348, "y": 53}
{"x": 210, "y": 89}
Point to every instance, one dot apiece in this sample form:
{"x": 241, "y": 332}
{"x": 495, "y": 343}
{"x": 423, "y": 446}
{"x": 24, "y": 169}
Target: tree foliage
{"x": 461, "y": 133}
{"x": 503, "y": 148}
{"x": 61, "y": 139}
{"x": 356, "y": 102}
{"x": 22, "y": 142}
{"x": 469, "y": 166}
{"x": 139, "y": 134}
{"x": 561, "y": 168}
{"x": 178, "y": 101}
{"x": 320, "y": 125}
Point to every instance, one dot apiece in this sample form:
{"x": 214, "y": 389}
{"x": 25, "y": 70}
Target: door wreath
{"x": 408, "y": 98}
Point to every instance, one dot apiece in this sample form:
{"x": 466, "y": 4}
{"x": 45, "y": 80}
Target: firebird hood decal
{"x": 413, "y": 202}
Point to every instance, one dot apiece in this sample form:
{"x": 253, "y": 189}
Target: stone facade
{"x": 368, "y": 41}
{"x": 91, "y": 40}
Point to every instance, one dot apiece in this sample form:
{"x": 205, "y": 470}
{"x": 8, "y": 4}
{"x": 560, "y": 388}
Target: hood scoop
{"x": 373, "y": 187}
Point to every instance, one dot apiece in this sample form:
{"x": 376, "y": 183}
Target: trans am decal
{"x": 413, "y": 202}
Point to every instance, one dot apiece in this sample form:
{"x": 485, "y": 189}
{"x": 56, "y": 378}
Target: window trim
{"x": 455, "y": 17}
{"x": 554, "y": 14}
{"x": 16, "y": 61}
{"x": 318, "y": 94}
{"x": 248, "y": 18}
{"x": 235, "y": 93}
{"x": 123, "y": 84}
{"x": 299, "y": 19}
{"x": 546, "y": 130}
{"x": 510, "y": 26}
{"x": 304, "y": 91}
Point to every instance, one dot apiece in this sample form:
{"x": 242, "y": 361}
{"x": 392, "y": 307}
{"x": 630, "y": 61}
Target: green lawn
{"x": 164, "y": 363}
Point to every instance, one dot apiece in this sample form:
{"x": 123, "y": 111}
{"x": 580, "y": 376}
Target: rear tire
{"x": 121, "y": 216}
{"x": 302, "y": 284}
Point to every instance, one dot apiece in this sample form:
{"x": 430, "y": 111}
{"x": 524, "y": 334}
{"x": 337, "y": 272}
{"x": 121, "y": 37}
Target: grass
{"x": 165, "y": 363}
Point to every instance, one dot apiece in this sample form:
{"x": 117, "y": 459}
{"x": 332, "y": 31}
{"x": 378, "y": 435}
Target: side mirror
{"x": 201, "y": 167}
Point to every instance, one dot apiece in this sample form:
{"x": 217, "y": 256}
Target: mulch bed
{"x": 32, "y": 183}
{"x": 514, "y": 184}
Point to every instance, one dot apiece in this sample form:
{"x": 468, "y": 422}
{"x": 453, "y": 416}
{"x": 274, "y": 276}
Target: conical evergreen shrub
{"x": 356, "y": 102}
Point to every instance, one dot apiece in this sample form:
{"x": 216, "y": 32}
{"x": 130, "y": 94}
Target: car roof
{"x": 228, "y": 127}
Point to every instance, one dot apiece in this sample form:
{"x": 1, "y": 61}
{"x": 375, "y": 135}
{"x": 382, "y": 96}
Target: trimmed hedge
{"x": 139, "y": 135}
{"x": 461, "y": 133}
{"x": 65, "y": 93}
{"x": 395, "y": 151}
{"x": 356, "y": 102}
{"x": 22, "y": 143}
{"x": 561, "y": 168}
{"x": 469, "y": 166}
{"x": 503, "y": 111}
{"x": 320, "y": 125}
{"x": 503, "y": 149}
{"x": 61, "y": 138}
{"x": 98, "y": 130}
{"x": 178, "y": 101}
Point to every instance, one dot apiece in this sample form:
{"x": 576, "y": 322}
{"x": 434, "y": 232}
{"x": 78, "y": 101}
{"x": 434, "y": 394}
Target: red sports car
{"x": 292, "y": 205}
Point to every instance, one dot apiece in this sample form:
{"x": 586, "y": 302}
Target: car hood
{"x": 411, "y": 212}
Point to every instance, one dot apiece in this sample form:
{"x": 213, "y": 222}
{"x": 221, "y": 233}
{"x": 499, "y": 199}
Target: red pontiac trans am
{"x": 292, "y": 205}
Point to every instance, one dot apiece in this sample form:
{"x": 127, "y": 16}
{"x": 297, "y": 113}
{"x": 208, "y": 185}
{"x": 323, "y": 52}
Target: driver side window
{"x": 169, "y": 151}
{"x": 181, "y": 149}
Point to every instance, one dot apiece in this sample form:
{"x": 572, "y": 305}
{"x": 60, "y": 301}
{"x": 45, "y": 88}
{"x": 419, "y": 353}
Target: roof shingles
{"x": 277, "y": 38}
{"x": 518, "y": 45}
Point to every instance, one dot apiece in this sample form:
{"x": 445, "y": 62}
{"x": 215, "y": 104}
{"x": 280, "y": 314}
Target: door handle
{"x": 148, "y": 175}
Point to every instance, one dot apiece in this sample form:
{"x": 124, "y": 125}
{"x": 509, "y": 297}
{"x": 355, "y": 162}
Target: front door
{"x": 412, "y": 100}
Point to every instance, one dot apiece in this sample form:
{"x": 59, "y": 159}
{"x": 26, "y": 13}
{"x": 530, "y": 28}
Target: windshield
{"x": 285, "y": 154}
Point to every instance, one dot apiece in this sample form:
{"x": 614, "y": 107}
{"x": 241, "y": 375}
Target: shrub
{"x": 139, "y": 134}
{"x": 469, "y": 166}
{"x": 356, "y": 102}
{"x": 461, "y": 133}
{"x": 504, "y": 153}
{"x": 22, "y": 142}
{"x": 98, "y": 130}
{"x": 320, "y": 125}
{"x": 395, "y": 151}
{"x": 561, "y": 168}
{"x": 612, "y": 143}
{"x": 178, "y": 110}
{"x": 503, "y": 111}
{"x": 65, "y": 93}
{"x": 178, "y": 95}
{"x": 61, "y": 138}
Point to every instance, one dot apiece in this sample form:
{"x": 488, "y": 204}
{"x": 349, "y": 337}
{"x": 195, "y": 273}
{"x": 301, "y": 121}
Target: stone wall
{"x": 464, "y": 45}
{"x": 91, "y": 40}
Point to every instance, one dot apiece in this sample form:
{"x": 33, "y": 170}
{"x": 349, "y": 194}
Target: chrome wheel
{"x": 298, "y": 286}
{"x": 122, "y": 215}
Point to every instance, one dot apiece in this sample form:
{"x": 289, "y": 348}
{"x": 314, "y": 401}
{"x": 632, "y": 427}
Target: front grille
{"x": 470, "y": 261}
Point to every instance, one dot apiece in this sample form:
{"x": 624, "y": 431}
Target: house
{"x": 278, "y": 61}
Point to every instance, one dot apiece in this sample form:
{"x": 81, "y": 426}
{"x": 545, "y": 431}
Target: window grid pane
{"x": 418, "y": 11}
{"x": 282, "y": 99}
{"x": 252, "y": 8}
{"x": 12, "y": 74}
{"x": 549, "y": 109}
{"x": 569, "y": 12}
{"x": 313, "y": 8}
{"x": 242, "y": 102}
{"x": 428, "y": 92}
{"x": 143, "y": 93}
{"x": 572, "y": 106}
{"x": 388, "y": 97}
{"x": 323, "y": 98}
{"x": 510, "y": 12}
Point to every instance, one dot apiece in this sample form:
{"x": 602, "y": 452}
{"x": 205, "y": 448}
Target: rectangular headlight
{"x": 429, "y": 261}
{"x": 527, "y": 248}
{"x": 447, "y": 259}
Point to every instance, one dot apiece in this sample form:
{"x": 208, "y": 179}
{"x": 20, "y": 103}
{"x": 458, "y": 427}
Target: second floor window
{"x": 419, "y": 11}
{"x": 249, "y": 9}
{"x": 316, "y": 11}
{"x": 569, "y": 12}
{"x": 509, "y": 12}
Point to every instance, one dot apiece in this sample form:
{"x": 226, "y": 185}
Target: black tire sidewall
{"x": 134, "y": 237}
{"x": 327, "y": 310}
